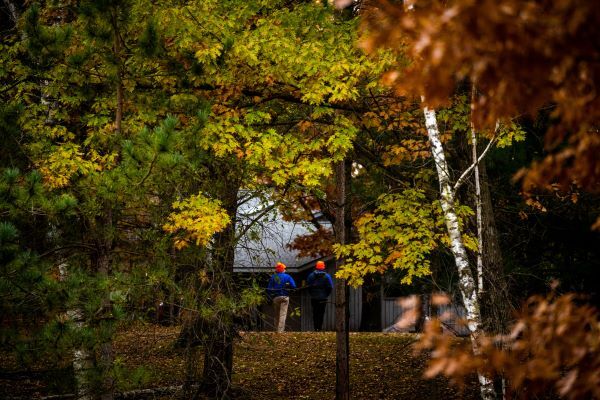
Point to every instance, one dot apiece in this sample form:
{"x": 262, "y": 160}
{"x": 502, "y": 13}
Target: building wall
{"x": 265, "y": 317}
{"x": 397, "y": 313}
{"x": 355, "y": 297}
{"x": 300, "y": 311}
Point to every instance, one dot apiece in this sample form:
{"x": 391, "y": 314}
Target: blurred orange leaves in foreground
{"x": 523, "y": 56}
{"x": 554, "y": 344}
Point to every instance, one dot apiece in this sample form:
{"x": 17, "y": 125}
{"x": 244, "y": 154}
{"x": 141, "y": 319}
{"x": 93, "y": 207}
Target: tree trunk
{"x": 424, "y": 313}
{"x": 478, "y": 217}
{"x": 371, "y": 305}
{"x": 343, "y": 224}
{"x": 13, "y": 12}
{"x": 466, "y": 281}
{"x": 191, "y": 368}
{"x": 117, "y": 46}
{"x": 492, "y": 285}
{"x": 106, "y": 348}
{"x": 218, "y": 363}
{"x": 218, "y": 351}
{"x": 120, "y": 97}
{"x": 83, "y": 361}
{"x": 496, "y": 305}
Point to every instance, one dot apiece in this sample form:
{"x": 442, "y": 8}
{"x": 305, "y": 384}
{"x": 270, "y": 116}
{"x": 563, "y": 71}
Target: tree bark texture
{"x": 491, "y": 279}
{"x": 218, "y": 345}
{"x": 103, "y": 263}
{"x": 83, "y": 361}
{"x": 117, "y": 46}
{"x": 424, "y": 311}
{"x": 496, "y": 306}
{"x": 218, "y": 363}
{"x": 343, "y": 224}
{"x": 478, "y": 212}
{"x": 13, "y": 12}
{"x": 466, "y": 281}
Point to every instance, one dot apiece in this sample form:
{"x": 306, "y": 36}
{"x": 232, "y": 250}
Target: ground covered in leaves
{"x": 292, "y": 365}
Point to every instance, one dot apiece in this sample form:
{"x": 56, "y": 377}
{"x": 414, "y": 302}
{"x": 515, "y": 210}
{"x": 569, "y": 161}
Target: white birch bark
{"x": 82, "y": 362}
{"x": 12, "y": 11}
{"x": 478, "y": 206}
{"x": 82, "y": 358}
{"x": 466, "y": 281}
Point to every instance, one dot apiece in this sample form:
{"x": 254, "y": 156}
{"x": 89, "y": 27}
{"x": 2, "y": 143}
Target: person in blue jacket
{"x": 320, "y": 286}
{"x": 277, "y": 289}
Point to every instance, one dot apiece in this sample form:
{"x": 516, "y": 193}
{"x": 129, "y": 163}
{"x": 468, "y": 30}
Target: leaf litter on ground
{"x": 289, "y": 365}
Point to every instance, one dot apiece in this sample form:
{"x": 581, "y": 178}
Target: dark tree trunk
{"x": 13, "y": 11}
{"x": 495, "y": 301}
{"x": 219, "y": 332}
{"x": 371, "y": 306}
{"x": 117, "y": 49}
{"x": 103, "y": 263}
{"x": 343, "y": 224}
{"x": 494, "y": 298}
{"x": 218, "y": 364}
{"x": 423, "y": 312}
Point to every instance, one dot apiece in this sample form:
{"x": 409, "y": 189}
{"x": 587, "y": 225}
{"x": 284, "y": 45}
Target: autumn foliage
{"x": 197, "y": 216}
{"x": 316, "y": 244}
{"x": 555, "y": 343}
{"x": 523, "y": 56}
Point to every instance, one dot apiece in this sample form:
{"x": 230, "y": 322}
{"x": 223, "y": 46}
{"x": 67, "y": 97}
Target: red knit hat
{"x": 280, "y": 267}
{"x": 320, "y": 265}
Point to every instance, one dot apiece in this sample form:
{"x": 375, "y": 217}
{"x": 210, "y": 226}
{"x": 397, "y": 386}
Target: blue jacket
{"x": 279, "y": 283}
{"x": 319, "y": 285}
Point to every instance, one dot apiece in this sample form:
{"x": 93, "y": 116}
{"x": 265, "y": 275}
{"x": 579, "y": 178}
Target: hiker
{"x": 278, "y": 287}
{"x": 319, "y": 287}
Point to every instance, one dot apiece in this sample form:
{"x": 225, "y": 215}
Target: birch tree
{"x": 523, "y": 55}
{"x": 466, "y": 280}
{"x": 386, "y": 34}
{"x": 73, "y": 137}
{"x": 82, "y": 357}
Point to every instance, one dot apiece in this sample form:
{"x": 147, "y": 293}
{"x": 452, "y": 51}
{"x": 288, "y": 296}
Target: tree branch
{"x": 306, "y": 208}
{"x": 255, "y": 220}
{"x": 140, "y": 183}
{"x": 293, "y": 99}
{"x": 468, "y": 171}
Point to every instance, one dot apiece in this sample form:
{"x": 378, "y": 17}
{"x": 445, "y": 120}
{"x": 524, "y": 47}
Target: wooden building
{"x": 399, "y": 314}
{"x": 259, "y": 251}
{"x": 267, "y": 243}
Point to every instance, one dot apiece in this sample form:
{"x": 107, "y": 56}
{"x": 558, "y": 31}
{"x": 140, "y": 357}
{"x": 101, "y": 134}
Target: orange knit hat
{"x": 280, "y": 267}
{"x": 320, "y": 265}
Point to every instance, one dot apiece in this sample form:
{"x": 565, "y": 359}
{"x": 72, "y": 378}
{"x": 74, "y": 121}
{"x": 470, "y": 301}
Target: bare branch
{"x": 468, "y": 171}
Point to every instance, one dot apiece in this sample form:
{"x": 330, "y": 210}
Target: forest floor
{"x": 267, "y": 365}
